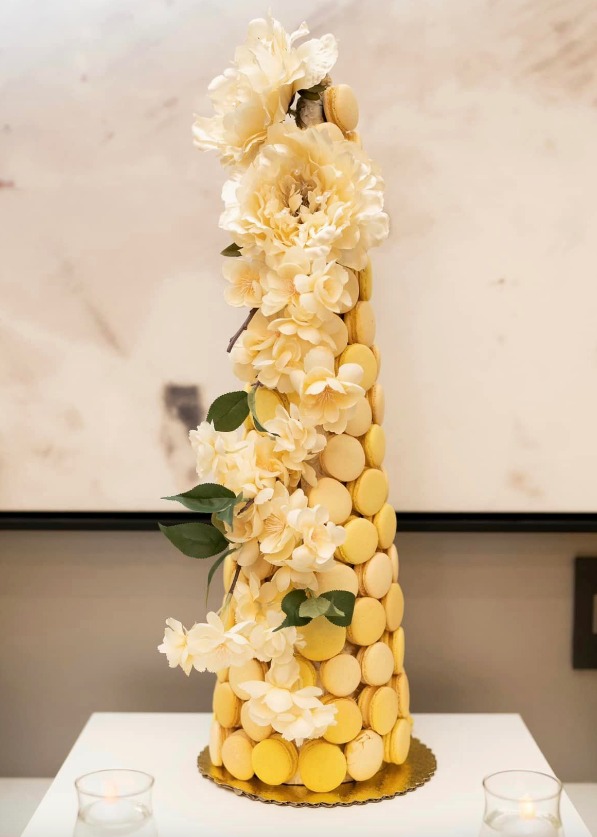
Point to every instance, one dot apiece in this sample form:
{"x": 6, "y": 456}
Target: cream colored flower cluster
{"x": 302, "y": 207}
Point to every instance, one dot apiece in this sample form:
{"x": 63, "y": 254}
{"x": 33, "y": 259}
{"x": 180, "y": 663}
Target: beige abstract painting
{"x": 113, "y": 326}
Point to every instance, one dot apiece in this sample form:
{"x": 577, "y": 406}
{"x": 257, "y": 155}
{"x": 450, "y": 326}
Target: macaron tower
{"x": 308, "y": 646}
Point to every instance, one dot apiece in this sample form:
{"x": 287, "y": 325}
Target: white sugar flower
{"x": 213, "y": 648}
{"x": 326, "y": 287}
{"x": 267, "y": 356}
{"x": 297, "y": 714}
{"x": 320, "y": 538}
{"x": 311, "y": 189}
{"x": 278, "y": 537}
{"x": 295, "y": 441}
{"x": 257, "y": 90}
{"x": 245, "y": 285}
{"x": 175, "y": 646}
{"x": 214, "y": 450}
{"x": 269, "y": 644}
{"x": 254, "y": 600}
{"x": 327, "y": 397}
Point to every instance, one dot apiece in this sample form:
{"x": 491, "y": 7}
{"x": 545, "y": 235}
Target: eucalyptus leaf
{"x": 229, "y": 411}
{"x": 197, "y": 540}
{"x": 313, "y": 608}
{"x": 342, "y": 607}
{"x": 207, "y": 497}
{"x": 291, "y": 604}
{"x": 233, "y": 251}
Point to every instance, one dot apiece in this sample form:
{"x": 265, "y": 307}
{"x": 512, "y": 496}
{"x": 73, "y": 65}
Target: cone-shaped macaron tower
{"x": 308, "y": 646}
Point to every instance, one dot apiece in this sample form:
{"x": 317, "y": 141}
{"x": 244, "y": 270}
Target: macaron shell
{"x": 383, "y": 710}
{"x": 369, "y": 492}
{"x": 374, "y": 445}
{"x": 307, "y": 672}
{"x": 386, "y": 524}
{"x": 360, "y": 322}
{"x": 377, "y": 400}
{"x": 377, "y": 355}
{"x": 402, "y": 688}
{"x": 364, "y": 702}
{"x": 399, "y": 738}
{"x": 343, "y": 457}
{"x": 377, "y": 664}
{"x": 236, "y": 755}
{"x": 339, "y": 577}
{"x": 217, "y": 736}
{"x": 322, "y": 638}
{"x": 334, "y": 496}
{"x": 363, "y": 357}
{"x": 364, "y": 755}
{"x": 267, "y": 402}
{"x": 368, "y": 621}
{"x": 393, "y": 603}
{"x": 251, "y": 670}
{"x": 398, "y": 646}
{"x": 341, "y": 107}
{"x": 349, "y": 720}
{"x": 393, "y": 556}
{"x": 360, "y": 542}
{"x": 255, "y": 731}
{"x": 322, "y": 766}
{"x": 273, "y": 762}
{"x": 361, "y": 418}
{"x": 340, "y": 675}
{"x": 377, "y": 575}
{"x": 226, "y": 706}
{"x": 366, "y": 282}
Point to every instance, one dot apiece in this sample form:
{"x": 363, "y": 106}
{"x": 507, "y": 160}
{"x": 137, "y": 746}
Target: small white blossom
{"x": 213, "y": 647}
{"x": 327, "y": 397}
{"x": 295, "y": 442}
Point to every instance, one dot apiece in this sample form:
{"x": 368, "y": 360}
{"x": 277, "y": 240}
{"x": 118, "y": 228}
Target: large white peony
{"x": 256, "y": 91}
{"x": 311, "y": 189}
{"x": 297, "y": 714}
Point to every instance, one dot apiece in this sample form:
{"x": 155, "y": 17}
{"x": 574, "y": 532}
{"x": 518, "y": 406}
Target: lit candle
{"x": 526, "y": 824}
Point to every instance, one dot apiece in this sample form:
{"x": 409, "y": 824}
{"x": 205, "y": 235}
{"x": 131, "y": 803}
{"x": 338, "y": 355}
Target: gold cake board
{"x": 390, "y": 781}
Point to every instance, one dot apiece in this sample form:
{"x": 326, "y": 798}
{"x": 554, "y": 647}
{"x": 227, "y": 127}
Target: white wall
{"x": 489, "y": 620}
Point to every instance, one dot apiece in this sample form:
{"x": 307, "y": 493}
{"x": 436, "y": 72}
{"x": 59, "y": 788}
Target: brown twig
{"x": 238, "y": 333}
{"x": 232, "y": 586}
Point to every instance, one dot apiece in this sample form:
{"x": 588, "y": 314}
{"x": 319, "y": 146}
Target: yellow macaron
{"x": 368, "y": 621}
{"x": 379, "y": 707}
{"x": 340, "y": 106}
{"x": 217, "y": 736}
{"x": 236, "y": 755}
{"x": 334, "y": 496}
{"x": 322, "y": 638}
{"x": 226, "y": 706}
{"x": 375, "y": 576}
{"x": 364, "y": 755}
{"x": 386, "y": 524}
{"x": 393, "y": 556}
{"x": 340, "y": 675}
{"x": 343, "y": 457}
{"x": 360, "y": 322}
{"x": 374, "y": 445}
{"x": 366, "y": 282}
{"x": 339, "y": 577}
{"x": 275, "y": 760}
{"x": 349, "y": 720}
{"x": 255, "y": 731}
{"x": 251, "y": 670}
{"x": 396, "y": 643}
{"x": 401, "y": 686}
{"x": 307, "y": 672}
{"x": 377, "y": 400}
{"x": 377, "y": 664}
{"x": 363, "y": 357}
{"x": 360, "y": 542}
{"x": 377, "y": 355}
{"x": 393, "y": 603}
{"x": 266, "y": 403}
{"x": 322, "y": 765}
{"x": 369, "y": 492}
{"x": 397, "y": 742}
{"x": 360, "y": 418}
{"x": 228, "y": 570}
{"x": 222, "y": 675}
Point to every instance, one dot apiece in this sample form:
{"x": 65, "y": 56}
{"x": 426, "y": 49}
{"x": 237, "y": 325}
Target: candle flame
{"x": 111, "y": 792}
{"x": 526, "y": 808}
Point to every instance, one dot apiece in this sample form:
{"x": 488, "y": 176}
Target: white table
{"x": 468, "y": 747}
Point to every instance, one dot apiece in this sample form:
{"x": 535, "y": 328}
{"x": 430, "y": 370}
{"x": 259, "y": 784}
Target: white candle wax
{"x": 114, "y": 812}
{"x": 510, "y": 825}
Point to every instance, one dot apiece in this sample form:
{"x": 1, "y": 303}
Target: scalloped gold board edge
{"x": 390, "y": 781}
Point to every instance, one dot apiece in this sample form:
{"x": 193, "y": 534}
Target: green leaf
{"x": 315, "y": 607}
{"x": 197, "y": 540}
{"x": 207, "y": 497}
{"x": 233, "y": 250}
{"x": 212, "y": 570}
{"x": 308, "y": 94}
{"x": 226, "y": 515}
{"x": 291, "y": 604}
{"x": 229, "y": 411}
{"x": 342, "y": 607}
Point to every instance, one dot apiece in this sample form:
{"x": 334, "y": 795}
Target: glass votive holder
{"x": 522, "y": 803}
{"x": 112, "y": 800}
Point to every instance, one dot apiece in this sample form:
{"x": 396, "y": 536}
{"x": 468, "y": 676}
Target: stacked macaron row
{"x": 360, "y": 668}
